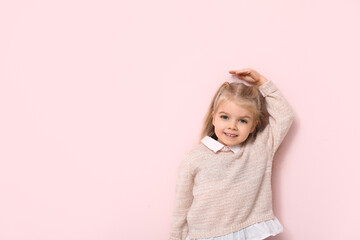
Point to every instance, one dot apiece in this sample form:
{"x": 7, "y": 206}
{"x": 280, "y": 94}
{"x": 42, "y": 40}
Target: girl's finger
{"x": 254, "y": 76}
{"x": 244, "y": 71}
{"x": 240, "y": 71}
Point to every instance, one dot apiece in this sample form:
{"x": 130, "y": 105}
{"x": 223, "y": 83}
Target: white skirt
{"x": 257, "y": 231}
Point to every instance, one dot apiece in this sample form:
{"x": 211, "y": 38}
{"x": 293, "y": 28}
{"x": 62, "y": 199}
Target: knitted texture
{"x": 220, "y": 193}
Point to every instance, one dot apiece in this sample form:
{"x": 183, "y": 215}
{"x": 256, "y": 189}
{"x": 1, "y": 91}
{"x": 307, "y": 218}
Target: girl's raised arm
{"x": 281, "y": 115}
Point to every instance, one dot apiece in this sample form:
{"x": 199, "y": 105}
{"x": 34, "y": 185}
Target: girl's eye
{"x": 243, "y": 121}
{"x": 224, "y": 117}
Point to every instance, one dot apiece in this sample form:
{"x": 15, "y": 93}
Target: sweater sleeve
{"x": 183, "y": 201}
{"x": 280, "y": 112}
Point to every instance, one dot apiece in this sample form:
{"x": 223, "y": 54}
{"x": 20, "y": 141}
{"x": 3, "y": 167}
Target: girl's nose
{"x": 232, "y": 125}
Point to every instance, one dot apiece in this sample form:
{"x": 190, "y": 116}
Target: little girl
{"x": 223, "y": 189}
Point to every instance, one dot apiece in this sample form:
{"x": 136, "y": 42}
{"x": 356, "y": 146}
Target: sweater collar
{"x": 216, "y": 145}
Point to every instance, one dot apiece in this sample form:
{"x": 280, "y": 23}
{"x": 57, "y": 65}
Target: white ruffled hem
{"x": 257, "y": 231}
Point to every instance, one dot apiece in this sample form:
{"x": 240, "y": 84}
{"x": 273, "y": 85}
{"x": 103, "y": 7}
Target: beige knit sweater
{"x": 220, "y": 193}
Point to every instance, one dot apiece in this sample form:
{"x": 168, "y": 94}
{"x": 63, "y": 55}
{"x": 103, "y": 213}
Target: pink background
{"x": 99, "y": 101}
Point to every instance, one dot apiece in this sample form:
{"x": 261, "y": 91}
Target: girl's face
{"x": 232, "y": 123}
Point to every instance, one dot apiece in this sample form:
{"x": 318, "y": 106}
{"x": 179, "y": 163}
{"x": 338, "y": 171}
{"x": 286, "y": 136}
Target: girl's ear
{"x": 254, "y": 126}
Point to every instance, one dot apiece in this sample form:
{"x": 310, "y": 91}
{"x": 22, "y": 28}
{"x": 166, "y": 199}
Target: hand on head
{"x": 249, "y": 75}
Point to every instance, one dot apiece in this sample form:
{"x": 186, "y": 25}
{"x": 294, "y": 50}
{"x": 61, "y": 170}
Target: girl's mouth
{"x": 231, "y": 135}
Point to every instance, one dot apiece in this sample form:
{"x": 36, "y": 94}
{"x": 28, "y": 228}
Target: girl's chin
{"x": 229, "y": 143}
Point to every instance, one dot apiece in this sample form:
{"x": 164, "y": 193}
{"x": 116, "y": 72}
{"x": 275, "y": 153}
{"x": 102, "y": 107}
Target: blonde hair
{"x": 245, "y": 96}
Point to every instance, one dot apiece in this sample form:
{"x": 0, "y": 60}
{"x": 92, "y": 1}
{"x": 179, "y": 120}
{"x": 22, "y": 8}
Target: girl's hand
{"x": 249, "y": 75}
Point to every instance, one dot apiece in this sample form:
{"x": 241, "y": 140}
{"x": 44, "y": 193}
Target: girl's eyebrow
{"x": 240, "y": 116}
